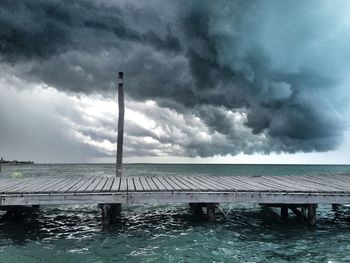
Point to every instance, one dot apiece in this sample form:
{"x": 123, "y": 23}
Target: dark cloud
{"x": 42, "y": 29}
{"x": 279, "y": 64}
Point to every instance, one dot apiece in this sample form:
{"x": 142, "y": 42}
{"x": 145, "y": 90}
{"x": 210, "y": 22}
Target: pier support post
{"x": 284, "y": 212}
{"x": 109, "y": 212}
{"x": 311, "y": 214}
{"x": 304, "y": 212}
{"x": 196, "y": 209}
{"x": 300, "y": 214}
{"x": 15, "y": 212}
{"x": 211, "y": 211}
{"x": 335, "y": 207}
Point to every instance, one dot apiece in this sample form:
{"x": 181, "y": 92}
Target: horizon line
{"x": 179, "y": 163}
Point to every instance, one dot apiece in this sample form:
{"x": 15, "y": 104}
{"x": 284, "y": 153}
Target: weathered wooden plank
{"x": 303, "y": 185}
{"x": 79, "y": 185}
{"x": 159, "y": 185}
{"x": 173, "y": 184}
{"x": 226, "y": 182}
{"x": 177, "y": 197}
{"x": 59, "y": 185}
{"x": 5, "y": 180}
{"x": 315, "y": 184}
{"x": 71, "y": 184}
{"x": 279, "y": 184}
{"x": 323, "y": 184}
{"x": 270, "y": 184}
{"x": 250, "y": 182}
{"x": 197, "y": 185}
{"x": 47, "y": 188}
{"x": 294, "y": 184}
{"x": 241, "y": 185}
{"x": 173, "y": 181}
{"x": 190, "y": 186}
{"x": 116, "y": 185}
{"x": 215, "y": 183}
{"x": 108, "y": 184}
{"x": 337, "y": 178}
{"x": 235, "y": 182}
{"x": 244, "y": 183}
{"x": 25, "y": 187}
{"x": 63, "y": 199}
{"x": 339, "y": 182}
{"x": 10, "y": 183}
{"x": 101, "y": 184}
{"x": 123, "y": 185}
{"x": 27, "y": 184}
{"x": 4, "y": 183}
{"x": 335, "y": 182}
{"x": 207, "y": 184}
{"x": 151, "y": 184}
{"x": 261, "y": 189}
{"x": 87, "y": 183}
{"x": 145, "y": 184}
{"x": 137, "y": 184}
{"x": 232, "y": 183}
{"x": 130, "y": 184}
{"x": 94, "y": 184}
{"x": 340, "y": 185}
{"x": 40, "y": 187}
{"x": 16, "y": 183}
{"x": 166, "y": 185}
{"x": 343, "y": 180}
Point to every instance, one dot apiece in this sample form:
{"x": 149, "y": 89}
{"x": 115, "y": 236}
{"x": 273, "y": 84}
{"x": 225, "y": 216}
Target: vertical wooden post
{"x": 109, "y": 212}
{"x": 211, "y": 212}
{"x": 196, "y": 209}
{"x": 284, "y": 212}
{"x": 311, "y": 214}
{"x": 120, "y": 125}
{"x": 335, "y": 207}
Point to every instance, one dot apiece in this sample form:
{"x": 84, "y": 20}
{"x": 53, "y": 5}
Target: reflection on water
{"x": 160, "y": 233}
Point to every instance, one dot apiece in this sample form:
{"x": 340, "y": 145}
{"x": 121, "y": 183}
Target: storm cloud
{"x": 229, "y": 76}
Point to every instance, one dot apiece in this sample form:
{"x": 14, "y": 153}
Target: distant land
{"x": 2, "y": 161}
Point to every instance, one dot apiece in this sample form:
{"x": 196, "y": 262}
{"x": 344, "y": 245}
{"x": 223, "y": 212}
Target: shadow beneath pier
{"x": 19, "y": 226}
{"x": 48, "y": 223}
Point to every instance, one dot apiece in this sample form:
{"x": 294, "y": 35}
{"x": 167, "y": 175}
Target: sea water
{"x": 168, "y": 233}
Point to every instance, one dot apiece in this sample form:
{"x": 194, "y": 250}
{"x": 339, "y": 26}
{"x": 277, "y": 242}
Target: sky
{"x": 205, "y": 81}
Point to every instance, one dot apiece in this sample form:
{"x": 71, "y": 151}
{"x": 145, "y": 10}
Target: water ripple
{"x": 159, "y": 234}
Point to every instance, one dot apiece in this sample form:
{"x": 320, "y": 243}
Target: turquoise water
{"x": 171, "y": 169}
{"x": 168, "y": 233}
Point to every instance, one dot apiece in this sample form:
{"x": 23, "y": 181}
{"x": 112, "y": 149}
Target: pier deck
{"x": 310, "y": 189}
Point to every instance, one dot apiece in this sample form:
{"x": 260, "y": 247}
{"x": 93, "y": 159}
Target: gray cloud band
{"x": 272, "y": 61}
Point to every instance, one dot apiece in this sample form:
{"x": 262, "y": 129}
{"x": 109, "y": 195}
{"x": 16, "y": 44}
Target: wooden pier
{"x": 294, "y": 193}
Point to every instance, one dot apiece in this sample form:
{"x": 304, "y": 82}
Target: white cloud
{"x": 42, "y": 124}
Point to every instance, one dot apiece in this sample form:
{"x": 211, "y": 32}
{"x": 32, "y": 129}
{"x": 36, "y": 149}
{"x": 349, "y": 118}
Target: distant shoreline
{"x": 15, "y": 162}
